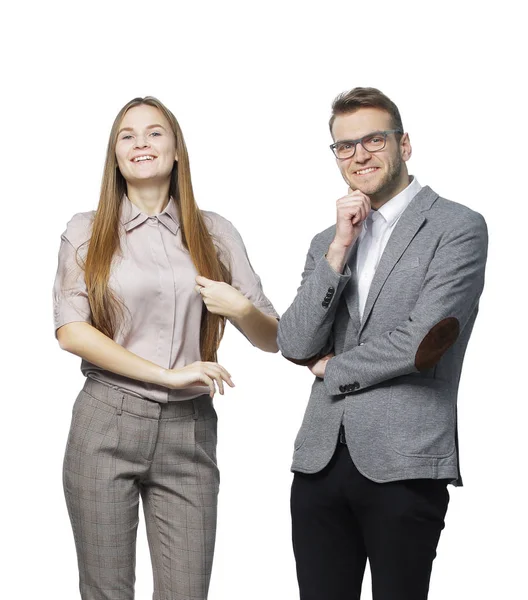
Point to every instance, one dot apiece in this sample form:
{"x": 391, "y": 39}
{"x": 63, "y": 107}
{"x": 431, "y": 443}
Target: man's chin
{"x": 366, "y": 188}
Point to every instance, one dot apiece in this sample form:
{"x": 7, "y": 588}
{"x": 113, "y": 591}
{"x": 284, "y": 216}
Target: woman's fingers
{"x": 211, "y": 374}
{"x": 220, "y": 384}
{"x": 226, "y": 376}
{"x": 217, "y": 375}
{"x": 209, "y": 382}
{"x": 201, "y": 280}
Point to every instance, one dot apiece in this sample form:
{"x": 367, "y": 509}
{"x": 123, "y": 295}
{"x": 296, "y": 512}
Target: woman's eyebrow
{"x": 148, "y": 127}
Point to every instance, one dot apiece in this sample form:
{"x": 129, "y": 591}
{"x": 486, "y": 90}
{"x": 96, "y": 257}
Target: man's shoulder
{"x": 449, "y": 211}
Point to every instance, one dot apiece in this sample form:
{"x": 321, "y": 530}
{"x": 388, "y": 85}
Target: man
{"x": 388, "y": 299}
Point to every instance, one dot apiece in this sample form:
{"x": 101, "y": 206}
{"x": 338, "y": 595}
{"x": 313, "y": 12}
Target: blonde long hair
{"x": 106, "y": 308}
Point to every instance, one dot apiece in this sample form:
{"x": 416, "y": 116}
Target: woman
{"x": 143, "y": 288}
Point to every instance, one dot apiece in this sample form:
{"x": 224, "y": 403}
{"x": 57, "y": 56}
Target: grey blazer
{"x": 394, "y": 380}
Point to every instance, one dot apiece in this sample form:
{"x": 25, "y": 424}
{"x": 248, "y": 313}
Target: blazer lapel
{"x": 404, "y": 231}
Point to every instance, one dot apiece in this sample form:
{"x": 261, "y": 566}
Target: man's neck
{"x": 390, "y": 192}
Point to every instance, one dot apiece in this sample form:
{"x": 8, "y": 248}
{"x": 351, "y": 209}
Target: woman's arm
{"x": 259, "y": 328}
{"x": 223, "y": 299}
{"x": 83, "y": 340}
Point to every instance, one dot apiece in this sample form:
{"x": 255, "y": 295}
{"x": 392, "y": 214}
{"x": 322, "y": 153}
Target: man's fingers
{"x": 355, "y": 198}
{"x": 356, "y": 207}
{"x": 365, "y": 209}
{"x": 360, "y": 215}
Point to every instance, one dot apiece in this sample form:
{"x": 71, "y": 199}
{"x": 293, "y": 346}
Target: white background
{"x": 251, "y": 84}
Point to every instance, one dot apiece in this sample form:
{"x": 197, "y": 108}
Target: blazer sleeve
{"x": 305, "y": 329}
{"x": 449, "y": 296}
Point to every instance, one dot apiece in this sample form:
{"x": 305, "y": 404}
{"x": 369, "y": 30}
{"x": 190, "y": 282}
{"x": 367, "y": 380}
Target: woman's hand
{"x": 222, "y": 299}
{"x": 198, "y": 373}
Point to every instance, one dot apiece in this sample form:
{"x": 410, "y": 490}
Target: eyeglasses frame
{"x": 360, "y": 141}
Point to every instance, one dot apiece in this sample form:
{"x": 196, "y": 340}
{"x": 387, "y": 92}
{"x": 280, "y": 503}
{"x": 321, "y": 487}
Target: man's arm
{"x": 448, "y": 297}
{"x": 305, "y": 328}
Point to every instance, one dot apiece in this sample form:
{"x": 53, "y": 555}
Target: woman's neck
{"x": 151, "y": 200}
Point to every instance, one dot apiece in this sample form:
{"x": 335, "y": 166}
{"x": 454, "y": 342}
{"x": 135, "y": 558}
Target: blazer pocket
{"x": 421, "y": 420}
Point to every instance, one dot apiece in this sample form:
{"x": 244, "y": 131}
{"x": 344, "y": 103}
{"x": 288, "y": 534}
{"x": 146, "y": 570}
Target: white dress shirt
{"x": 377, "y": 229}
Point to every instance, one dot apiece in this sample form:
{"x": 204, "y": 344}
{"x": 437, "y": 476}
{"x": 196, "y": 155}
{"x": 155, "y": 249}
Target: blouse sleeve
{"x": 233, "y": 253}
{"x": 70, "y": 297}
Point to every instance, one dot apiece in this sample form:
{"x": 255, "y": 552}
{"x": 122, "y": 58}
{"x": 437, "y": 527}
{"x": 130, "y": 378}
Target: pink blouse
{"x": 154, "y": 277}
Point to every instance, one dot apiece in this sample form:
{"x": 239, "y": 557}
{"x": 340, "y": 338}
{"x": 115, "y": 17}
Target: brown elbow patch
{"x": 305, "y": 362}
{"x": 441, "y": 337}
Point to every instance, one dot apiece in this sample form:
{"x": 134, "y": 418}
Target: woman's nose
{"x": 141, "y": 142}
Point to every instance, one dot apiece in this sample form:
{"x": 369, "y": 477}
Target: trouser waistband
{"x": 125, "y": 401}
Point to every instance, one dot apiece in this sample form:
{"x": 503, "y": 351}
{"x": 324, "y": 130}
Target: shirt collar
{"x": 131, "y": 216}
{"x": 392, "y": 210}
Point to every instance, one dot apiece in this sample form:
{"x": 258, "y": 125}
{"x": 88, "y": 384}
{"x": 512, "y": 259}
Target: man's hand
{"x": 352, "y": 210}
{"x": 221, "y": 298}
{"x": 318, "y": 367}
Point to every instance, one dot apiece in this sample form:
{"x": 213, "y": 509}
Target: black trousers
{"x": 340, "y": 518}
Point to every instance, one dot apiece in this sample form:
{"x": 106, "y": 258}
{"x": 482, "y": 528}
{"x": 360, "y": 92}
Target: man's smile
{"x": 366, "y": 171}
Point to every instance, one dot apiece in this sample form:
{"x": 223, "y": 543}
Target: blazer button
{"x": 331, "y": 290}
{"x": 356, "y": 385}
{"x": 342, "y": 389}
{"x": 325, "y": 303}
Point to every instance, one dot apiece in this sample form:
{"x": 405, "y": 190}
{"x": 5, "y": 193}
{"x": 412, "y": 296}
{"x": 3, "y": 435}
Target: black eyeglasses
{"x": 373, "y": 142}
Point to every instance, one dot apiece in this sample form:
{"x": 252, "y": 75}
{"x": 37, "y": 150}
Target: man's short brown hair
{"x": 365, "y": 97}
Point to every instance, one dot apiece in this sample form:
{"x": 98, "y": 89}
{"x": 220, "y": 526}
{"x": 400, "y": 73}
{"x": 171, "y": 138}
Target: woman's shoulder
{"x": 79, "y": 228}
{"x": 218, "y": 225}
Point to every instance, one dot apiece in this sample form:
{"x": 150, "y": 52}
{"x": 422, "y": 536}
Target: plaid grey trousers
{"x": 121, "y": 446}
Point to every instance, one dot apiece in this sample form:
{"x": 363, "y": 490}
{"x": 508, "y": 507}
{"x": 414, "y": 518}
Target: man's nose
{"x": 361, "y": 155}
